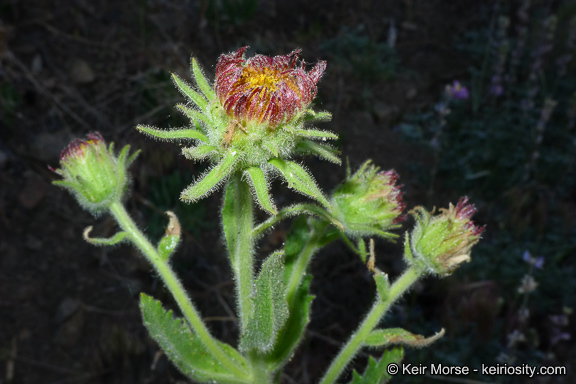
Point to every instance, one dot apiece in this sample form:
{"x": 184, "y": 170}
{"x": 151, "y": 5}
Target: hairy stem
{"x": 174, "y": 286}
{"x": 238, "y": 222}
{"x": 379, "y": 308}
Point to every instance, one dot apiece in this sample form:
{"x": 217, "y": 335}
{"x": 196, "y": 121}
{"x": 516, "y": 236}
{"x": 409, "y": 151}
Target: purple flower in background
{"x": 537, "y": 262}
{"x": 457, "y": 91}
{"x": 497, "y": 89}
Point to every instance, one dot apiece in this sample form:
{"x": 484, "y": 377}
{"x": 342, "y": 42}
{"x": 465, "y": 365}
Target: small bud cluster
{"x": 369, "y": 202}
{"x": 440, "y": 243}
{"x": 92, "y": 173}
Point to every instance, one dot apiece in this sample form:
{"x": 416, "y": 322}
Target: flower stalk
{"x": 162, "y": 267}
{"x": 370, "y": 322}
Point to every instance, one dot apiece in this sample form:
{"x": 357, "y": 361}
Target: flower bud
{"x": 92, "y": 173}
{"x": 442, "y": 242}
{"x": 369, "y": 202}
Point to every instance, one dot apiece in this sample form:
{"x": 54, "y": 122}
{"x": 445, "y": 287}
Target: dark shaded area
{"x": 69, "y": 311}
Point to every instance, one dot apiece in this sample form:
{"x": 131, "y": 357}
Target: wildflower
{"x": 265, "y": 89}
{"x": 369, "y": 202}
{"x": 537, "y": 262}
{"x": 92, "y": 173}
{"x": 442, "y": 242}
{"x": 527, "y": 285}
{"x": 253, "y": 122}
{"x": 496, "y": 88}
{"x": 457, "y": 91}
{"x": 515, "y": 337}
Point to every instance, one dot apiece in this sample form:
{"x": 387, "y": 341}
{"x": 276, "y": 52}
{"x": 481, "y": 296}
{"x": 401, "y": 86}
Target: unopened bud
{"x": 369, "y": 202}
{"x": 442, "y": 242}
{"x": 92, "y": 173}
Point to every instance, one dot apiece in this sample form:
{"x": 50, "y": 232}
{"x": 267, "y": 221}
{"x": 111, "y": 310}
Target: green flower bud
{"x": 369, "y": 202}
{"x": 442, "y": 242}
{"x": 93, "y": 174}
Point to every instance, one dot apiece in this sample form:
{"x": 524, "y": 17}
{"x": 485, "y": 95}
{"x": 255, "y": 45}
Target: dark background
{"x": 69, "y": 311}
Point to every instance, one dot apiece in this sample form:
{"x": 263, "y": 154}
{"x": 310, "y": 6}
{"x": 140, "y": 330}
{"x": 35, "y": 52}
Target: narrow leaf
{"x": 299, "y": 179}
{"x": 376, "y": 371}
{"x": 383, "y": 337}
{"x": 199, "y": 152}
{"x": 323, "y": 151}
{"x": 117, "y": 238}
{"x": 211, "y": 179}
{"x": 187, "y": 91}
{"x": 382, "y": 284}
{"x": 362, "y": 249}
{"x": 194, "y": 114}
{"x": 260, "y": 186}
{"x": 317, "y": 116}
{"x": 176, "y": 134}
{"x": 167, "y": 245}
{"x": 202, "y": 82}
{"x": 184, "y": 348}
{"x": 270, "y": 307}
{"x": 316, "y": 134}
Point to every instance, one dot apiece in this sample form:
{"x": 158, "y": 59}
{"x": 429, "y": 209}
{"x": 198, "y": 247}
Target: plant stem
{"x": 260, "y": 371}
{"x": 238, "y": 222}
{"x": 174, "y": 286}
{"x": 304, "y": 258}
{"x": 370, "y": 322}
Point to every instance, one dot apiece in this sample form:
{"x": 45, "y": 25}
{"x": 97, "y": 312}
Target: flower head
{"x": 442, "y": 242}
{"x": 369, "y": 202}
{"x": 263, "y": 88}
{"x": 92, "y": 173}
{"x": 457, "y": 91}
{"x": 254, "y": 121}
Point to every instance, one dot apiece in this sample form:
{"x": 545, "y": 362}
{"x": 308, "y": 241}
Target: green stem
{"x": 380, "y": 307}
{"x": 309, "y": 209}
{"x": 304, "y": 258}
{"x": 174, "y": 286}
{"x": 260, "y": 371}
{"x": 238, "y": 223}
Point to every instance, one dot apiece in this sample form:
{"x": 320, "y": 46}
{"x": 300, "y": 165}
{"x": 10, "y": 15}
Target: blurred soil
{"x": 68, "y": 310}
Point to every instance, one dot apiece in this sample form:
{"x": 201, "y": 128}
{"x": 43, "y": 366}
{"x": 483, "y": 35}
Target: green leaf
{"x": 316, "y": 134}
{"x": 383, "y": 337}
{"x": 117, "y": 238}
{"x": 292, "y": 333}
{"x": 260, "y": 186}
{"x": 187, "y": 91}
{"x": 376, "y": 372}
{"x": 194, "y": 114}
{"x": 202, "y": 82}
{"x": 199, "y": 152}
{"x": 167, "y": 245}
{"x": 211, "y": 179}
{"x": 270, "y": 307}
{"x": 362, "y": 249}
{"x": 326, "y": 152}
{"x": 175, "y": 134}
{"x": 312, "y": 115}
{"x": 184, "y": 348}
{"x": 382, "y": 284}
{"x": 299, "y": 179}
